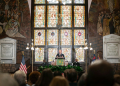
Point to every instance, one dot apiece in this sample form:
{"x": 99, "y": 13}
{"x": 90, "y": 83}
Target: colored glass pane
{"x": 39, "y": 1}
{"x": 79, "y": 37}
{"x": 52, "y": 1}
{"x": 79, "y": 16}
{"x": 39, "y": 16}
{"x": 79, "y": 54}
{"x": 66, "y": 15}
{"x": 52, "y": 52}
{"x": 66, "y": 37}
{"x": 79, "y": 1}
{"x": 66, "y": 1}
{"x": 39, "y": 37}
{"x": 52, "y": 16}
{"x": 67, "y": 53}
{"x": 39, "y": 54}
{"x": 52, "y": 37}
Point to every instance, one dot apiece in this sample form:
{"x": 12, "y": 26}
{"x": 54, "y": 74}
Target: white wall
{"x": 89, "y": 3}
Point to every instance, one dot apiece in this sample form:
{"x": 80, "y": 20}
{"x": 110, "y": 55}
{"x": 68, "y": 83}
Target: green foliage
{"x": 60, "y": 68}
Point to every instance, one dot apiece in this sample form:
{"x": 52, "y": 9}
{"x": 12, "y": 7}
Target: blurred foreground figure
{"x": 100, "y": 73}
{"x": 59, "y": 81}
{"x": 7, "y": 80}
{"x": 20, "y": 77}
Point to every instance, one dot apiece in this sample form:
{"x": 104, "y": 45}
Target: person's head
{"x": 20, "y": 77}
{"x": 60, "y": 51}
{"x": 117, "y": 78}
{"x": 76, "y": 60}
{"x": 57, "y": 73}
{"x": 45, "y": 78}
{"x": 82, "y": 80}
{"x": 7, "y": 80}
{"x": 100, "y": 73}
{"x": 59, "y": 81}
{"x": 72, "y": 75}
{"x": 33, "y": 77}
{"x": 65, "y": 73}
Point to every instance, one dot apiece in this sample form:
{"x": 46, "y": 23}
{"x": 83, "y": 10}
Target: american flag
{"x": 23, "y": 66}
{"x": 94, "y": 58}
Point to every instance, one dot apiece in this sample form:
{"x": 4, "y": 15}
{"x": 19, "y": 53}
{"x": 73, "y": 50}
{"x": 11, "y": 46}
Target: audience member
{"x": 57, "y": 73}
{"x": 7, "y": 80}
{"x": 65, "y": 73}
{"x": 20, "y": 77}
{"x": 72, "y": 77}
{"x": 100, "y": 73}
{"x": 117, "y": 79}
{"x": 33, "y": 77}
{"x": 45, "y": 78}
{"x": 59, "y": 81}
{"x": 82, "y": 80}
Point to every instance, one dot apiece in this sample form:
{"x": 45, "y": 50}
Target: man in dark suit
{"x": 76, "y": 63}
{"x": 60, "y": 54}
{"x": 44, "y": 63}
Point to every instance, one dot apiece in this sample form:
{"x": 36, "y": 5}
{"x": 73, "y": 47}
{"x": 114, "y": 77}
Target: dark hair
{"x": 82, "y": 80}
{"x": 33, "y": 77}
{"x": 57, "y": 73}
{"x": 72, "y": 75}
{"x": 100, "y": 73}
{"x": 65, "y": 72}
{"x": 28, "y": 76}
{"x": 45, "y": 78}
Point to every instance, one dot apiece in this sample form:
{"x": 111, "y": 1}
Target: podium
{"x": 60, "y": 61}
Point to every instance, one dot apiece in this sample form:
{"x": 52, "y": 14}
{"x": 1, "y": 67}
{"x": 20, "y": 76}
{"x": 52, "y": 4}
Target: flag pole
{"x": 94, "y": 51}
{"x": 23, "y": 53}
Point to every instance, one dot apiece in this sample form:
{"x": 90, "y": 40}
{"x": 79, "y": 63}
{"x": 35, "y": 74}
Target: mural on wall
{"x": 104, "y": 17}
{"x": 11, "y": 17}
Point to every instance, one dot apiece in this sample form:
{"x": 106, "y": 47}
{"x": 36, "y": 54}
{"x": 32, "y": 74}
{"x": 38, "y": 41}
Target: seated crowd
{"x": 100, "y": 73}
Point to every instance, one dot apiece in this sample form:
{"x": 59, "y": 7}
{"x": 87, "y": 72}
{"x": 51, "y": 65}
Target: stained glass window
{"x": 79, "y": 54}
{"x": 39, "y": 54}
{"x": 79, "y": 37}
{"x": 66, "y": 37}
{"x": 39, "y": 1}
{"x": 79, "y": 16}
{"x": 66, "y": 1}
{"x": 52, "y": 52}
{"x": 52, "y": 37}
{"x": 79, "y": 1}
{"x": 39, "y": 16}
{"x": 66, "y": 12}
{"x": 52, "y": 16}
{"x": 67, "y": 53}
{"x": 53, "y": 1}
{"x": 39, "y": 37}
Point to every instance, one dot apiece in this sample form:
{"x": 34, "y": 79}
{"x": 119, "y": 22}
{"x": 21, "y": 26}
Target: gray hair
{"x": 20, "y": 77}
{"x": 7, "y": 80}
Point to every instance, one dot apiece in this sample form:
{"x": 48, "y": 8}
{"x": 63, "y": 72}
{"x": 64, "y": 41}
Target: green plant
{"x": 60, "y": 68}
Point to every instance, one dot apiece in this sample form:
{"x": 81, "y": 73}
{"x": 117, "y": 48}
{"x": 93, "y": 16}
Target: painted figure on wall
{"x": 108, "y": 16}
{"x": 9, "y": 18}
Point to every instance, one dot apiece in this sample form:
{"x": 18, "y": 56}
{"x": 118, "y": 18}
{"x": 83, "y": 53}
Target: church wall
{"x": 103, "y": 20}
{"x": 15, "y": 22}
